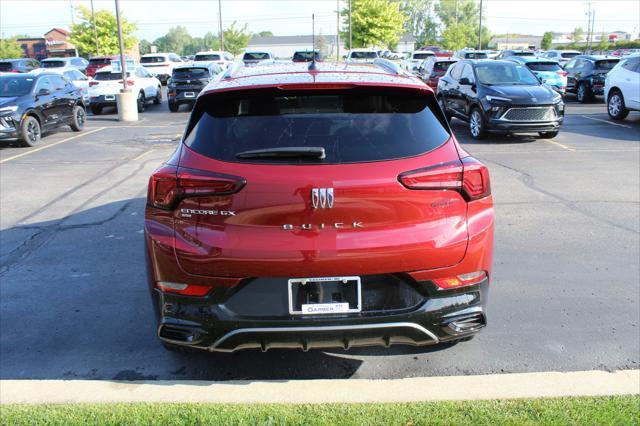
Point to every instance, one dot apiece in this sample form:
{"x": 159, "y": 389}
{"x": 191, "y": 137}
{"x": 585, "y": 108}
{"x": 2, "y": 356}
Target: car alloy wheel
{"x": 582, "y": 93}
{"x": 33, "y": 131}
{"x": 615, "y": 105}
{"x": 141, "y": 102}
{"x": 475, "y": 124}
{"x": 81, "y": 117}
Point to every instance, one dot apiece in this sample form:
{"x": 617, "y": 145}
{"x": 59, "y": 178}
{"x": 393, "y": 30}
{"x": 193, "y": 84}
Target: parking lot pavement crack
{"x": 529, "y": 182}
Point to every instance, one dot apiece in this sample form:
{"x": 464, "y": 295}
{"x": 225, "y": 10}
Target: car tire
{"x": 141, "y": 102}
{"x": 96, "y": 110}
{"x": 173, "y": 107}
{"x": 30, "y": 132}
{"x": 616, "y": 107}
{"x": 583, "y": 93}
{"x": 158, "y": 98}
{"x": 477, "y": 126}
{"x": 443, "y": 107}
{"x": 78, "y": 119}
{"x": 549, "y": 135}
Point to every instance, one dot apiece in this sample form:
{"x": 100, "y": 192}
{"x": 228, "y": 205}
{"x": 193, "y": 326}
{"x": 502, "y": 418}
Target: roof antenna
{"x": 312, "y": 65}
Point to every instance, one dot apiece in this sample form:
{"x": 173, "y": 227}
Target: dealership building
{"x": 55, "y": 43}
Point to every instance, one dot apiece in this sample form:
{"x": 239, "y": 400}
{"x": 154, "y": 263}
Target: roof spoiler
{"x": 231, "y": 69}
{"x": 387, "y": 65}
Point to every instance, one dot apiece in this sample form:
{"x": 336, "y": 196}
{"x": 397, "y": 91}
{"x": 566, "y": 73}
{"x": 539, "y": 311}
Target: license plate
{"x": 110, "y": 97}
{"x": 189, "y": 95}
{"x": 324, "y": 295}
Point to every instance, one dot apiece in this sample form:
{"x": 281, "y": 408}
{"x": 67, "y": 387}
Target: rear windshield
{"x": 191, "y": 73}
{"x": 304, "y": 56}
{"x": 100, "y": 61}
{"x": 422, "y": 55}
{"x": 207, "y": 57}
{"x": 152, "y": 59}
{"x": 352, "y": 127}
{"x": 255, "y": 56}
{"x": 544, "y": 66}
{"x": 441, "y": 67}
{"x": 52, "y": 64}
{"x": 606, "y": 65}
{"x": 364, "y": 55}
{"x": 523, "y": 54}
{"x": 569, "y": 55}
{"x": 475, "y": 55}
{"x": 107, "y": 76}
{"x": 6, "y": 66}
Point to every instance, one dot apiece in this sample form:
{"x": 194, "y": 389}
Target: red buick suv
{"x": 318, "y": 205}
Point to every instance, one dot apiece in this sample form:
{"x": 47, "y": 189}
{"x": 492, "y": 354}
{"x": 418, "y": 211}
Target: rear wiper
{"x": 288, "y": 152}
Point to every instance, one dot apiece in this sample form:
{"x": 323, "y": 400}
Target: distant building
{"x": 55, "y": 43}
{"x": 519, "y": 42}
{"x": 565, "y": 38}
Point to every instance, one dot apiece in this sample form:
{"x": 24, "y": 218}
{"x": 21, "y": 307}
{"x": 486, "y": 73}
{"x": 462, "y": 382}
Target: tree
{"x": 82, "y": 35}
{"x": 464, "y": 12}
{"x": 577, "y": 35}
{"x": 176, "y": 40}
{"x": 265, "y": 34}
{"x": 375, "y": 23}
{"x": 547, "y": 38}
{"x": 145, "y": 46}
{"x": 10, "y": 48}
{"x": 603, "y": 44}
{"x": 236, "y": 39}
{"x": 457, "y": 36}
{"x": 419, "y": 21}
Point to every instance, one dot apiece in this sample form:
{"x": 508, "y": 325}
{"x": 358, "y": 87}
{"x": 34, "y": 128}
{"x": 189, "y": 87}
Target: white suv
{"x": 107, "y": 84}
{"x": 161, "y": 64}
{"x": 216, "y": 56}
{"x": 362, "y": 56}
{"x": 562, "y": 56}
{"x": 622, "y": 88}
{"x": 412, "y": 63}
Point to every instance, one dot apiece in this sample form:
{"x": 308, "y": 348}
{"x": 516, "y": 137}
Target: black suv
{"x": 500, "y": 96}
{"x": 508, "y": 53}
{"x": 18, "y": 65}
{"x": 186, "y": 83}
{"x": 586, "y": 74}
{"x": 31, "y": 104}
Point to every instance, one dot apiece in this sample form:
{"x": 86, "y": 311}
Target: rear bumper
{"x": 179, "y": 96}
{"x": 101, "y": 101}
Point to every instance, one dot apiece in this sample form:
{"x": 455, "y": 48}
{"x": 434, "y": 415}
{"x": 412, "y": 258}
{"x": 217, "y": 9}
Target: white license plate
{"x": 189, "y": 95}
{"x": 351, "y": 303}
{"x": 109, "y": 97}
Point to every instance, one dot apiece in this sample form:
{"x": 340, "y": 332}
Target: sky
{"x": 293, "y": 17}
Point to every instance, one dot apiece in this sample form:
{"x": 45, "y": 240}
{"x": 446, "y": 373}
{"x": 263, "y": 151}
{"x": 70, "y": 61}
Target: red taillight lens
{"x": 93, "y": 83}
{"x": 167, "y": 186}
{"x": 129, "y": 82}
{"x": 460, "y": 280}
{"x": 469, "y": 177}
{"x": 183, "y": 289}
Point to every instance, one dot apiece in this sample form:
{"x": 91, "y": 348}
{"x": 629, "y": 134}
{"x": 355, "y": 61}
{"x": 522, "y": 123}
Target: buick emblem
{"x": 322, "y": 198}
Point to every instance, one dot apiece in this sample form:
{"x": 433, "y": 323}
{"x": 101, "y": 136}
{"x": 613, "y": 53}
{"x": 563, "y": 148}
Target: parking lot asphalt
{"x": 565, "y": 294}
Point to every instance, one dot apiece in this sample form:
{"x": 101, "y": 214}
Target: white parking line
{"x": 51, "y": 145}
{"x": 606, "y": 121}
{"x": 491, "y": 386}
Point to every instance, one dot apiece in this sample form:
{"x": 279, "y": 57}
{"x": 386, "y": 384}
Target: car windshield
{"x": 304, "y": 56}
{"x": 544, "y": 66}
{"x": 351, "y": 127}
{"x": 207, "y": 57}
{"x": 108, "y": 76}
{"x": 255, "y": 56}
{"x": 505, "y": 74}
{"x": 422, "y": 55}
{"x": 569, "y": 55}
{"x": 194, "y": 72}
{"x": 364, "y": 55}
{"x": 52, "y": 64}
{"x": 99, "y": 61}
{"x": 152, "y": 59}
{"x": 12, "y": 85}
{"x": 606, "y": 65}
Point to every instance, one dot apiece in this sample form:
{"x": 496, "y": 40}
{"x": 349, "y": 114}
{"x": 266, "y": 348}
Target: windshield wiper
{"x": 288, "y": 152}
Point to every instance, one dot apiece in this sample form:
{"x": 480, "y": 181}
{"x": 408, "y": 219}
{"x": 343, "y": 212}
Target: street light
{"x": 126, "y": 100}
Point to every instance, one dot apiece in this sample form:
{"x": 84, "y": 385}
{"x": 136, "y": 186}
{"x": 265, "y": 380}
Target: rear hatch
{"x": 309, "y": 183}
{"x": 190, "y": 78}
{"x": 107, "y": 83}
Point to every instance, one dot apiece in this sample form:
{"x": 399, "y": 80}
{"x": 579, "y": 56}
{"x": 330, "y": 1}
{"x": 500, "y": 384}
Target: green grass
{"x": 614, "y": 410}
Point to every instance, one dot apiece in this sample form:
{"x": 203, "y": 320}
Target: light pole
{"x": 95, "y": 30}
{"x": 480, "y": 29}
{"x": 220, "y": 24}
{"x": 338, "y": 30}
{"x": 350, "y": 36}
{"x": 126, "y": 101}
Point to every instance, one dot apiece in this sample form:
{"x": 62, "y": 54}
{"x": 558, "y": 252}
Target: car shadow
{"x": 75, "y": 305}
{"x": 461, "y": 130}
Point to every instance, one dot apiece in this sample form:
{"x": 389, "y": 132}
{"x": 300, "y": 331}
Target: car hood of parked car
{"x": 523, "y": 94}
{"x": 5, "y": 102}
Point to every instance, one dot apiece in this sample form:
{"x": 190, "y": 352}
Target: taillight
{"x": 129, "y": 82}
{"x": 562, "y": 73}
{"x": 167, "y": 186}
{"x": 460, "y": 280}
{"x": 470, "y": 177}
{"x": 93, "y": 83}
{"x": 183, "y": 289}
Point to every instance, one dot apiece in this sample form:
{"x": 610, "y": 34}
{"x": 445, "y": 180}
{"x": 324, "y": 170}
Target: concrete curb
{"x": 493, "y": 386}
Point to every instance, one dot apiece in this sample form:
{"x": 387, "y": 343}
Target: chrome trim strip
{"x": 415, "y": 326}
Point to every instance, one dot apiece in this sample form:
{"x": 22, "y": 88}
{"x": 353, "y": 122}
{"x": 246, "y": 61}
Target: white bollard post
{"x": 127, "y": 103}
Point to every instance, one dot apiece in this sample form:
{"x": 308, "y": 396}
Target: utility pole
{"x": 480, "y": 29}
{"x": 350, "y": 36}
{"x": 121, "y": 43}
{"x": 220, "y": 24}
{"x": 593, "y": 23}
{"x": 588, "y": 27}
{"x": 73, "y": 21}
{"x": 95, "y": 30}
{"x": 456, "y": 12}
{"x": 337, "y": 30}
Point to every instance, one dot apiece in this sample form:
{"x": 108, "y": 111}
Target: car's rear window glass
{"x": 304, "y": 56}
{"x": 255, "y": 56}
{"x": 569, "y": 55}
{"x": 441, "y": 67}
{"x": 364, "y": 55}
{"x": 107, "y": 76}
{"x": 422, "y": 55}
{"x": 52, "y": 64}
{"x": 191, "y": 73}
{"x": 524, "y": 54}
{"x": 607, "y": 64}
{"x": 152, "y": 59}
{"x": 544, "y": 66}
{"x": 100, "y": 61}
{"x": 476, "y": 55}
{"x": 207, "y": 57}
{"x": 5, "y": 66}
{"x": 358, "y": 126}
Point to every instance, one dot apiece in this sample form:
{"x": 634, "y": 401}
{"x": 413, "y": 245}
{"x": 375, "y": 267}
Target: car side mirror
{"x": 464, "y": 81}
{"x": 44, "y": 92}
